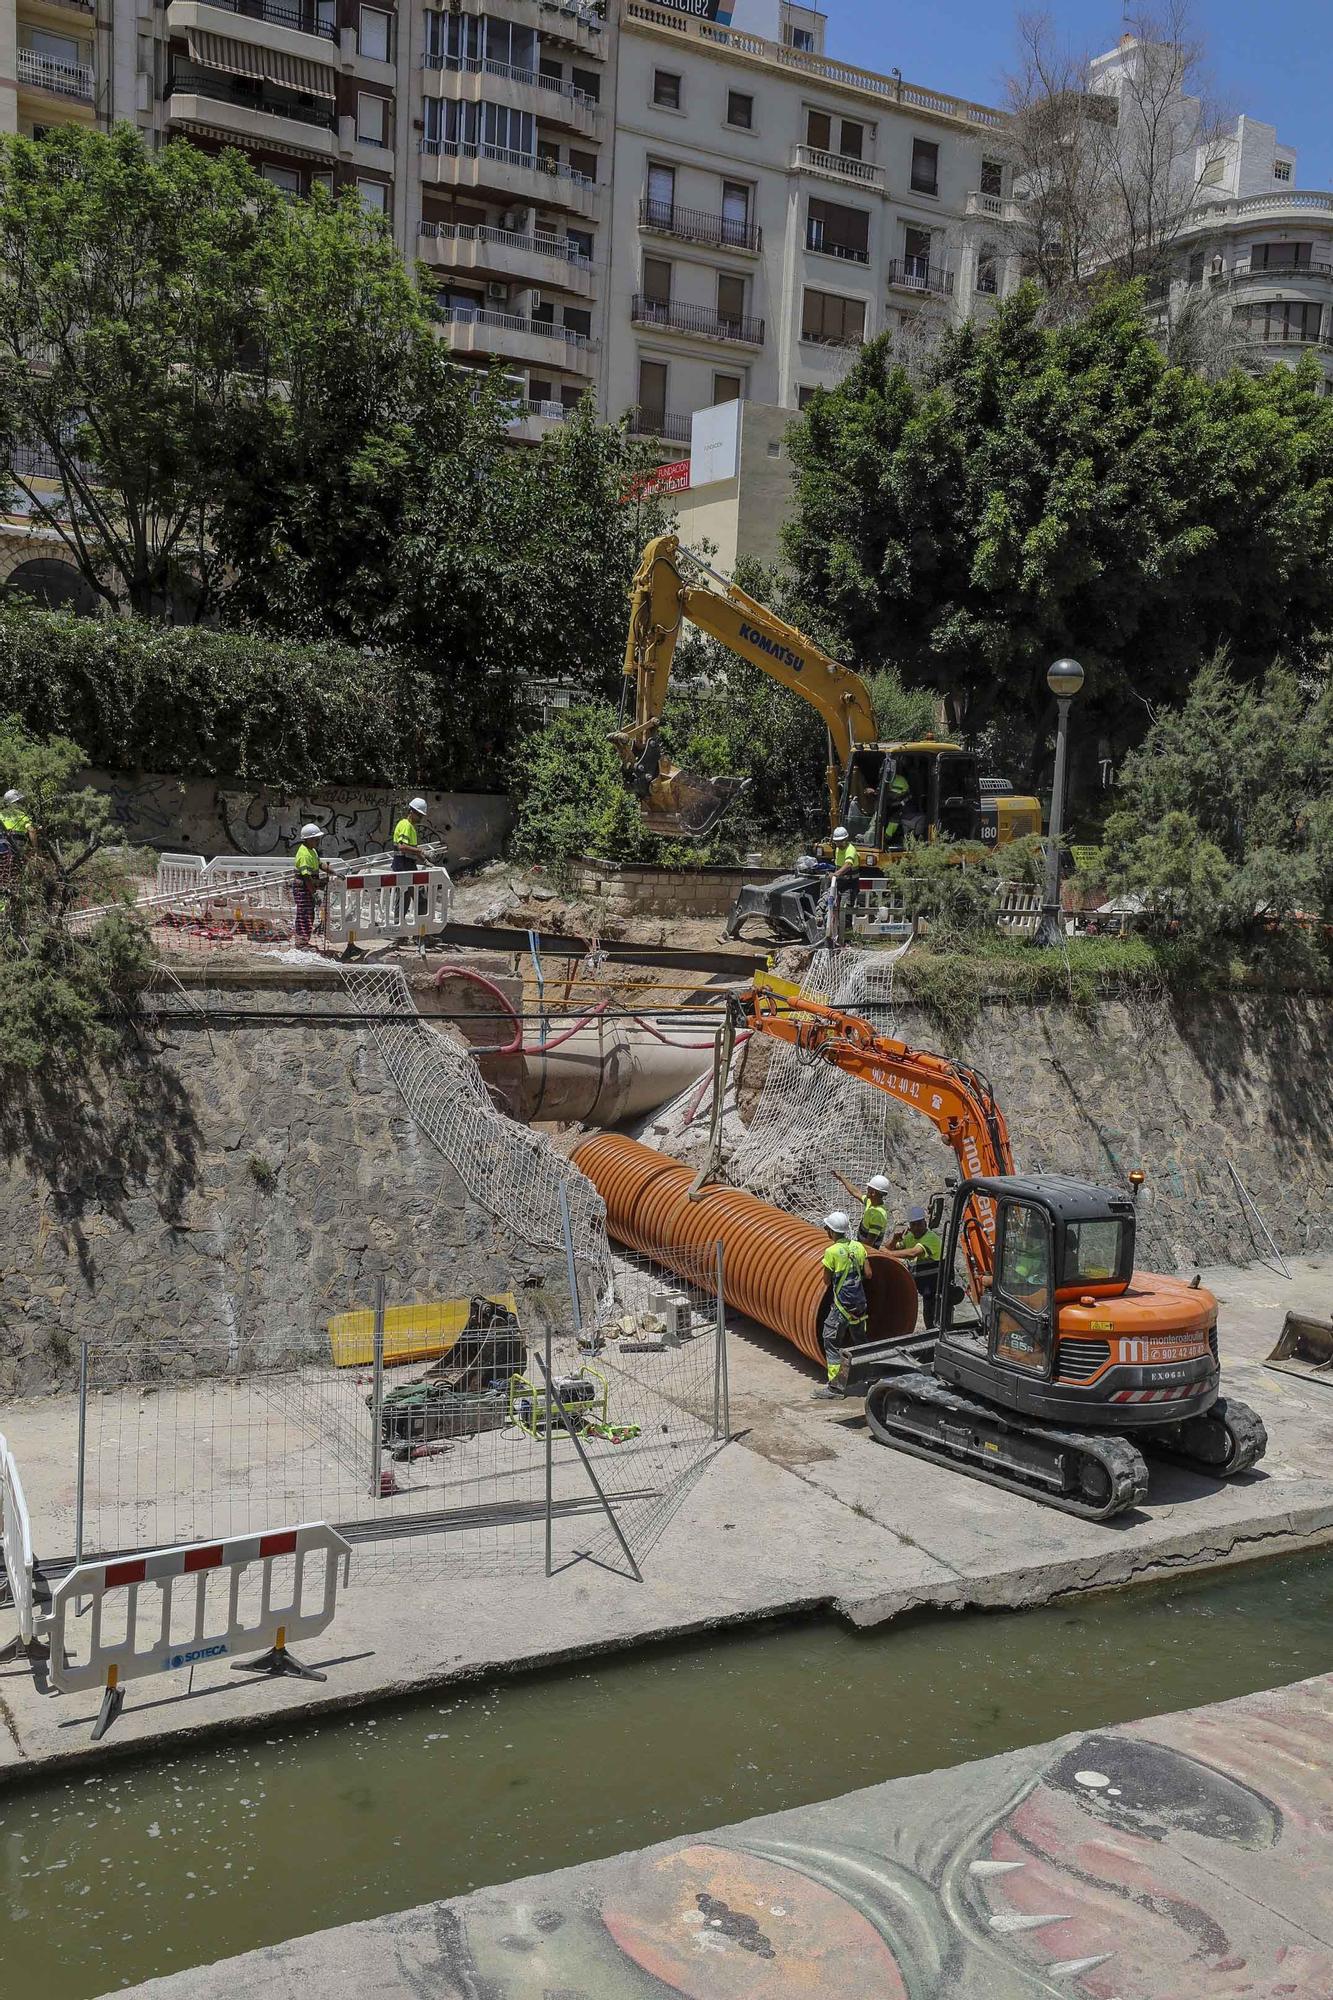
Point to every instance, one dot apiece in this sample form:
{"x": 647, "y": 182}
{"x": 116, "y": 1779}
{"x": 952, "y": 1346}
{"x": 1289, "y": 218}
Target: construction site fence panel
{"x": 16, "y": 1541}
{"x": 880, "y": 911}
{"x": 131, "y": 1616}
{"x": 370, "y": 907}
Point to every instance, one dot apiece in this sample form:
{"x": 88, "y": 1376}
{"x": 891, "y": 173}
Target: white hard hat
{"x": 840, "y": 833}
{"x": 416, "y": 805}
{"x": 878, "y": 1184}
{"x": 312, "y": 832}
{"x": 13, "y": 798}
{"x": 838, "y": 1223}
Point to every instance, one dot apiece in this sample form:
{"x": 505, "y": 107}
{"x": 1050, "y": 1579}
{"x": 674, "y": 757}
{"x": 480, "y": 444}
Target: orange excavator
{"x": 1053, "y": 1360}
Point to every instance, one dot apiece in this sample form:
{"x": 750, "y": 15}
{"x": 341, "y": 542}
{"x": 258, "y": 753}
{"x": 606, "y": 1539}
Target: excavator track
{"x": 1227, "y": 1439}
{"x": 1092, "y": 1474}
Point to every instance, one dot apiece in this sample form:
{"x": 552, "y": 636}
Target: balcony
{"x": 213, "y": 101}
{"x": 914, "y": 274}
{"x": 1281, "y": 205}
{"x": 836, "y": 167}
{"x": 818, "y": 239}
{"x": 531, "y": 420}
{"x": 1280, "y": 277}
{"x": 470, "y": 330}
{"x": 59, "y": 79}
{"x": 507, "y": 253}
{"x": 550, "y": 98}
{"x": 665, "y": 424}
{"x": 299, "y": 45}
{"x": 703, "y": 321}
{"x": 498, "y": 170}
{"x": 695, "y": 225}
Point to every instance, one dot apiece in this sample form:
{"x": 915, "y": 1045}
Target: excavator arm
{"x": 675, "y": 802}
{"x": 957, "y": 1100}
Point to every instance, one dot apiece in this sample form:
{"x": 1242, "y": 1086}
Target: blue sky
{"x": 1273, "y": 61}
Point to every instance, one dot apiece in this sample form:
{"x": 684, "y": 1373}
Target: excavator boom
{"x": 676, "y": 802}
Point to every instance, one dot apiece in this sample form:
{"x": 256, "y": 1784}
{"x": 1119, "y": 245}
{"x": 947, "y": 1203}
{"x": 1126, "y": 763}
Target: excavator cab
{"x": 942, "y": 800}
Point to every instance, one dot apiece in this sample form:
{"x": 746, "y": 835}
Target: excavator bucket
{"x": 684, "y": 806}
{"x": 1305, "y": 1348}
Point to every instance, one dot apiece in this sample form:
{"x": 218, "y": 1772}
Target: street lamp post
{"x": 1064, "y": 679}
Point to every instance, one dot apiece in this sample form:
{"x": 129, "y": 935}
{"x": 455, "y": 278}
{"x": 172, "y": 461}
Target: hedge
{"x": 196, "y": 703}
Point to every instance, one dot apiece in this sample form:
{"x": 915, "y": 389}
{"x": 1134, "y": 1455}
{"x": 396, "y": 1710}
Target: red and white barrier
{"x": 364, "y": 908}
{"x": 169, "y": 1618}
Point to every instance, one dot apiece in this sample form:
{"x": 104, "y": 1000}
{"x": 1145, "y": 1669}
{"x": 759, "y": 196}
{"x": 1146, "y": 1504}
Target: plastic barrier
{"x": 363, "y": 908}
{"x": 164, "y": 1636}
{"x": 177, "y": 874}
{"x": 16, "y": 1542}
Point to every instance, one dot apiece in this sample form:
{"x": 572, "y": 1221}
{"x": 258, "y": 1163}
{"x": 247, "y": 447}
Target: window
{"x": 1280, "y": 256}
{"x": 988, "y": 270}
{"x": 666, "y": 89}
{"x": 805, "y": 395}
{"x": 1194, "y": 270}
{"x": 324, "y": 181}
{"x": 59, "y": 48}
{"x": 1282, "y": 170}
{"x": 1094, "y": 1252}
{"x": 506, "y": 42}
{"x": 580, "y": 242}
{"x": 802, "y": 38}
{"x": 374, "y": 196}
{"x": 826, "y": 317}
{"x": 372, "y": 35}
{"x": 1025, "y": 1271}
{"x": 661, "y": 195}
{"x": 577, "y": 319}
{"x": 285, "y": 178}
{"x": 552, "y": 71}
{"x": 837, "y": 231}
{"x": 819, "y": 131}
{"x": 652, "y": 394}
{"x": 726, "y": 388}
{"x": 540, "y": 391}
{"x": 925, "y": 167}
{"x": 571, "y": 395}
{"x": 992, "y": 177}
{"x": 916, "y": 256}
{"x": 657, "y": 281}
{"x": 731, "y": 300}
{"x": 372, "y": 119}
{"x": 543, "y": 313}
{"x": 583, "y": 163}
{"x": 589, "y": 82}
{"x": 735, "y": 212}
{"x": 740, "y": 110}
{"x": 1212, "y": 174}
{"x": 1285, "y": 321}
{"x": 851, "y": 139}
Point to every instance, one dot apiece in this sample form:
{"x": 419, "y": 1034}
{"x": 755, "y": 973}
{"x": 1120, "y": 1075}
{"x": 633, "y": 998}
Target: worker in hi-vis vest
{"x": 874, "y": 1216}
{"x": 406, "y": 852}
{"x": 310, "y": 870}
{"x": 846, "y": 873}
{"x": 848, "y": 1313}
{"x": 18, "y": 835}
{"x": 922, "y": 1248}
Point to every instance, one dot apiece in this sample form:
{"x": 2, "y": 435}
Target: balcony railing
{"x": 836, "y": 166}
{"x": 509, "y": 239}
{"x": 505, "y": 156}
{"x": 661, "y": 424}
{"x": 38, "y": 461}
{"x": 62, "y": 79}
{"x": 283, "y": 14}
{"x": 818, "y": 239}
{"x": 1259, "y": 336}
{"x": 1272, "y": 274}
{"x": 703, "y": 320}
{"x": 988, "y": 283}
{"x": 510, "y": 323}
{"x": 696, "y": 225}
{"x": 914, "y": 274}
{"x": 507, "y": 72}
{"x": 221, "y": 89}
{"x": 554, "y": 413}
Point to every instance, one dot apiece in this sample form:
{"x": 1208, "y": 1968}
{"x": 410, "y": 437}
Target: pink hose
{"x": 516, "y": 1044}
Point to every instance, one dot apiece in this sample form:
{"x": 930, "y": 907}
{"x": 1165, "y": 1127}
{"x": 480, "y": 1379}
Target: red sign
{"x": 662, "y": 479}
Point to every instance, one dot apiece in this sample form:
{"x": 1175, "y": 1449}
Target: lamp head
{"x": 1064, "y": 679}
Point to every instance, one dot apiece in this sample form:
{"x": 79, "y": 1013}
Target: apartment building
{"x": 1259, "y": 248}
{"x": 772, "y": 208}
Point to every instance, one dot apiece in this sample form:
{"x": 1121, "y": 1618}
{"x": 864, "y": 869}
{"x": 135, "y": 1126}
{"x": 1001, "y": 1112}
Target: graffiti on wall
{"x": 1186, "y": 1856}
{"x": 196, "y": 816}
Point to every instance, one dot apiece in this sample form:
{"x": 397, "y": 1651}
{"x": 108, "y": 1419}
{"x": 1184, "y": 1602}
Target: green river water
{"x": 147, "y": 1867}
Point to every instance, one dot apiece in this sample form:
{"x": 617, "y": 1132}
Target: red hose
{"x": 514, "y": 1046}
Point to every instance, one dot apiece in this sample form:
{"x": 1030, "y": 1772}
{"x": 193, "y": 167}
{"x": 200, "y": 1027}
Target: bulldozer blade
{"x": 1304, "y": 1348}
{"x": 687, "y": 807}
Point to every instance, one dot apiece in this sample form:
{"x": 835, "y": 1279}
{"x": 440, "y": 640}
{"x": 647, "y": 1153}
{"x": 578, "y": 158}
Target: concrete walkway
{"x": 803, "y": 1511}
{"x": 1187, "y": 1856}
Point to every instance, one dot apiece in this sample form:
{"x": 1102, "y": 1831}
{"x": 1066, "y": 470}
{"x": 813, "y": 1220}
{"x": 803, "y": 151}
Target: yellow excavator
{"x": 881, "y": 792}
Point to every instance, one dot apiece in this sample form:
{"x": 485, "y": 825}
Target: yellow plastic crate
{"x": 420, "y": 1332}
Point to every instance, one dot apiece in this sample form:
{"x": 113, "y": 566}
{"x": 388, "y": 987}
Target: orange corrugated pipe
{"x": 772, "y": 1264}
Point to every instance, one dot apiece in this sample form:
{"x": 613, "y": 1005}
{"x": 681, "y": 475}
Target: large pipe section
{"x": 772, "y": 1262}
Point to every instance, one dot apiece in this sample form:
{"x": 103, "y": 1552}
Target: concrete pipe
{"x": 772, "y": 1262}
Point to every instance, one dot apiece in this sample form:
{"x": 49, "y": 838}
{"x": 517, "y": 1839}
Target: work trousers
{"x": 306, "y": 892}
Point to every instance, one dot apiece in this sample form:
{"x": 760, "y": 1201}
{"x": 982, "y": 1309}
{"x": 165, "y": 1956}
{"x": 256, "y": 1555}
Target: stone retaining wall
{"x": 649, "y": 891}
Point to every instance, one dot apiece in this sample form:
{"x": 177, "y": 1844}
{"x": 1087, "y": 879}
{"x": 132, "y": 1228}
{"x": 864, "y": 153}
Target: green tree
{"x": 130, "y": 285}
{"x": 1062, "y": 489}
{"x": 60, "y": 980}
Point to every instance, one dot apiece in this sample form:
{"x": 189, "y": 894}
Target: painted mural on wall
{"x": 1170, "y": 1860}
{"x": 197, "y": 816}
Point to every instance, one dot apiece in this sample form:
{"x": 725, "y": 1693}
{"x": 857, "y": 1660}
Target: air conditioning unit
{"x": 498, "y": 294}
